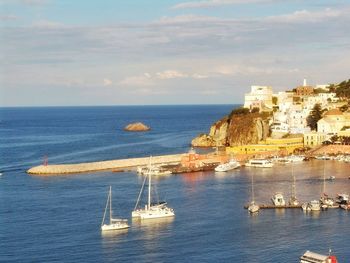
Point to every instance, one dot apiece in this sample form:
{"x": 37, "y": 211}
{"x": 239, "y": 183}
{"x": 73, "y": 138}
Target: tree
{"x": 314, "y": 116}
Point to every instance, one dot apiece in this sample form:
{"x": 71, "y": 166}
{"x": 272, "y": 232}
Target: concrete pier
{"x": 57, "y": 169}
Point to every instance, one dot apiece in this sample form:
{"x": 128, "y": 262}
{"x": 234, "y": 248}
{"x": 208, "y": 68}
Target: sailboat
{"x": 326, "y": 201}
{"x": 293, "y": 199}
{"x": 151, "y": 210}
{"x": 114, "y": 223}
{"x": 253, "y": 208}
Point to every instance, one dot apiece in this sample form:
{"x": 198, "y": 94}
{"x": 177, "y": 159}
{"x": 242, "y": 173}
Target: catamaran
{"x": 151, "y": 210}
{"x": 253, "y": 208}
{"x": 114, "y": 223}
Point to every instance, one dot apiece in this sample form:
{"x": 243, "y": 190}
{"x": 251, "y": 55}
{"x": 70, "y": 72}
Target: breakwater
{"x": 56, "y": 169}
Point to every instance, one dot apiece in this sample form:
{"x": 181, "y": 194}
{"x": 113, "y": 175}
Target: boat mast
{"x": 253, "y": 188}
{"x": 324, "y": 178}
{"x": 149, "y": 183}
{"x": 104, "y": 214}
{"x": 293, "y": 185}
{"x": 110, "y": 204}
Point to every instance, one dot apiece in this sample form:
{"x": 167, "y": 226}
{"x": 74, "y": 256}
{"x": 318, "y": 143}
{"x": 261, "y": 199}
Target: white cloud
{"x": 107, "y": 82}
{"x": 8, "y": 17}
{"x": 34, "y": 2}
{"x": 185, "y": 19}
{"x": 199, "y": 76}
{"x": 303, "y": 16}
{"x": 47, "y": 24}
{"x": 147, "y": 79}
{"x": 213, "y": 3}
{"x": 170, "y": 74}
{"x": 140, "y": 80}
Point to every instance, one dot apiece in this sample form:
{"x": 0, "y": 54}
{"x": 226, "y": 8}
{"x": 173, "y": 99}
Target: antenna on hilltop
{"x": 304, "y": 83}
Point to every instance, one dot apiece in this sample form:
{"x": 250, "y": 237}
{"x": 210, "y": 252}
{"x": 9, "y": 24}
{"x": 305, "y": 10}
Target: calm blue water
{"x": 57, "y": 219}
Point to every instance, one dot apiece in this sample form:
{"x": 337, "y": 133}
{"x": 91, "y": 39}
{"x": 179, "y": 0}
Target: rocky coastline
{"x": 235, "y": 129}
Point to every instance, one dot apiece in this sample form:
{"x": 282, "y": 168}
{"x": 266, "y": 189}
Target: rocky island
{"x": 136, "y": 127}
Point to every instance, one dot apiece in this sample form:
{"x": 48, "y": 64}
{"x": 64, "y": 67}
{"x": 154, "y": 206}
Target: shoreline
{"x": 119, "y": 165}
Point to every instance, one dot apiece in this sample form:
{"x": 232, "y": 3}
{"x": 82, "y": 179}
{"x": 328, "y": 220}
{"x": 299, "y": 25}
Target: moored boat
{"x": 315, "y": 205}
{"x": 260, "y": 163}
{"x": 278, "y": 199}
{"x": 232, "y": 164}
{"x": 151, "y": 210}
{"x": 114, "y": 223}
{"x": 342, "y": 199}
{"x": 312, "y": 257}
{"x": 253, "y": 208}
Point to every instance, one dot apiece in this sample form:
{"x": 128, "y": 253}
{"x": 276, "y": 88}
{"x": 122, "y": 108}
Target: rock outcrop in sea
{"x": 136, "y": 127}
{"x": 235, "y": 129}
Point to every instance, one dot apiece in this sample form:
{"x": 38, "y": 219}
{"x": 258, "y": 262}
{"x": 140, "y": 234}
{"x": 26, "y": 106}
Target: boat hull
{"x": 113, "y": 227}
{"x": 156, "y": 212}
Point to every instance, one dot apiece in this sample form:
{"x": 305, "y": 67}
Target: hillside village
{"x": 286, "y": 121}
{"x": 291, "y": 111}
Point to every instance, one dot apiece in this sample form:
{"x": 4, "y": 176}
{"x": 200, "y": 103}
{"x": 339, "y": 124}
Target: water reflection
{"x": 191, "y": 180}
{"x": 111, "y": 238}
{"x": 153, "y": 227}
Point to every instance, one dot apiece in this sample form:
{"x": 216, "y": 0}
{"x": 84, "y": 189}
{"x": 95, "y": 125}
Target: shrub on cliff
{"x": 239, "y": 111}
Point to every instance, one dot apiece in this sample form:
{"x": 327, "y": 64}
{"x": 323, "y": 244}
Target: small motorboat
{"x": 331, "y": 178}
{"x": 232, "y": 164}
{"x": 315, "y": 205}
{"x": 253, "y": 208}
{"x": 306, "y": 207}
{"x": 311, "y": 257}
{"x": 260, "y": 163}
{"x": 278, "y": 199}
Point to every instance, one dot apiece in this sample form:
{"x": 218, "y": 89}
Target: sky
{"x": 150, "y": 52}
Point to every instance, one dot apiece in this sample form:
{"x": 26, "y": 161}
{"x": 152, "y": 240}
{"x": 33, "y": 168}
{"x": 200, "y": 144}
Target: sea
{"x": 58, "y": 218}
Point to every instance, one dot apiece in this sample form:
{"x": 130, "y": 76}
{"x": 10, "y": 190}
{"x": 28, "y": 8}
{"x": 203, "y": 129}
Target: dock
{"x": 116, "y": 165}
{"x": 262, "y": 206}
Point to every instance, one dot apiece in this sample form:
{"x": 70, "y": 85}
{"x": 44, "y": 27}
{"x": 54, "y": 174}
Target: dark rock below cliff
{"x": 136, "y": 127}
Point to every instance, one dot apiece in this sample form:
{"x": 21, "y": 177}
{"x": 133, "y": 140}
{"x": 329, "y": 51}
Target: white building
{"x": 333, "y": 121}
{"x": 259, "y": 96}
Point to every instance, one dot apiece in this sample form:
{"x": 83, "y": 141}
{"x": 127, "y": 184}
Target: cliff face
{"x": 235, "y": 130}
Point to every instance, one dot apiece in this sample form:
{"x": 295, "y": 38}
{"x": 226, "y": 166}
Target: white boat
{"x": 306, "y": 207}
{"x": 315, "y": 205}
{"x": 261, "y": 163}
{"x": 323, "y": 157}
{"x": 114, "y": 223}
{"x": 253, "y": 208}
{"x": 293, "y": 199}
{"x": 331, "y": 178}
{"x": 278, "y": 199}
{"x": 295, "y": 158}
{"x": 232, "y": 164}
{"x": 343, "y": 199}
{"x": 158, "y": 171}
{"x": 311, "y": 257}
{"x": 326, "y": 201}
{"x": 345, "y": 206}
{"x": 151, "y": 210}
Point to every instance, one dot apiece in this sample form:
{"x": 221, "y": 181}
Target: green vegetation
{"x": 314, "y": 116}
{"x": 239, "y": 111}
{"x": 342, "y": 89}
{"x": 274, "y": 100}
